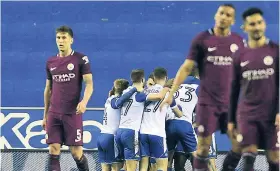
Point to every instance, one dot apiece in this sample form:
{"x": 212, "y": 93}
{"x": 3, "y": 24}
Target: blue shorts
{"x": 212, "y": 150}
{"x": 183, "y": 132}
{"x": 153, "y": 146}
{"x": 106, "y": 149}
{"x": 127, "y": 144}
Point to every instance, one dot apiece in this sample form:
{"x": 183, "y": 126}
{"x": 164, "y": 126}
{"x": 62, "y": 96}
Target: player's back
{"x": 213, "y": 55}
{"x": 153, "y": 121}
{"x": 111, "y": 117}
{"x": 259, "y": 74}
{"x": 187, "y": 97}
{"x": 66, "y": 74}
{"x": 131, "y": 112}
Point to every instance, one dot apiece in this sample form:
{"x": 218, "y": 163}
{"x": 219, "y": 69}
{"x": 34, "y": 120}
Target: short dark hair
{"x": 160, "y": 73}
{"x": 228, "y": 5}
{"x": 137, "y": 75}
{"x": 65, "y": 29}
{"x": 251, "y": 11}
{"x": 121, "y": 85}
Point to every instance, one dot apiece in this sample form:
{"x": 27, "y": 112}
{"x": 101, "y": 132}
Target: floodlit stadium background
{"x": 117, "y": 37}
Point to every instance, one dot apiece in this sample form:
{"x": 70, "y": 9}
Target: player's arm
{"x": 186, "y": 68}
{"x": 87, "y": 78}
{"x": 183, "y": 72}
{"x": 235, "y": 89}
{"x": 47, "y": 97}
{"x": 85, "y": 71}
{"x": 157, "y": 96}
{"x": 118, "y": 102}
{"x": 177, "y": 109}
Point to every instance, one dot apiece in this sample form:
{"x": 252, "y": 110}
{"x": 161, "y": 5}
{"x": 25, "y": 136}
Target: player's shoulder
{"x": 192, "y": 80}
{"x": 237, "y": 36}
{"x": 52, "y": 58}
{"x": 79, "y": 54}
{"x": 128, "y": 88}
{"x": 273, "y": 44}
{"x": 203, "y": 35}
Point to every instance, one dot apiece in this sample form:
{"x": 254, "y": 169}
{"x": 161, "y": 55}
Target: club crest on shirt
{"x": 70, "y": 66}
{"x": 268, "y": 60}
{"x": 233, "y": 48}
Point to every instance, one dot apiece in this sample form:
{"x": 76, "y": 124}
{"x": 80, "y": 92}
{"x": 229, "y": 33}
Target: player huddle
{"x": 236, "y": 93}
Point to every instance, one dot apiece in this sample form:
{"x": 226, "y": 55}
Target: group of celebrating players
{"x": 236, "y": 93}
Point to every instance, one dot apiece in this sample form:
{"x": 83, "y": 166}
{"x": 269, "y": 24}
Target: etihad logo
{"x": 63, "y": 77}
{"x": 220, "y": 60}
{"x": 258, "y": 74}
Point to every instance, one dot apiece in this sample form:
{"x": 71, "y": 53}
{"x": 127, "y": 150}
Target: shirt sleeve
{"x": 140, "y": 97}
{"x": 48, "y": 72}
{"x": 118, "y": 102}
{"x": 196, "y": 50}
{"x": 85, "y": 65}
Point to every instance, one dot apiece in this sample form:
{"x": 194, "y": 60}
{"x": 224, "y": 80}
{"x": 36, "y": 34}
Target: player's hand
{"x": 81, "y": 108}
{"x": 166, "y": 101}
{"x": 44, "y": 123}
{"x": 231, "y": 130}
{"x": 277, "y": 121}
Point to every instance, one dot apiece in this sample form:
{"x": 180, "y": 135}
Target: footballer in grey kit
{"x": 63, "y": 109}
{"x": 256, "y": 79}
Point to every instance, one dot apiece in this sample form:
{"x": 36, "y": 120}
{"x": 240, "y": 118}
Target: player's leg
{"x": 234, "y": 155}
{"x": 153, "y": 164}
{"x": 54, "y": 139}
{"x": 180, "y": 159}
{"x": 207, "y": 125}
{"x": 106, "y": 152}
{"x": 158, "y": 149}
{"x": 212, "y": 164}
{"x": 117, "y": 166}
{"x": 130, "y": 143}
{"x": 272, "y": 138}
{"x": 170, "y": 159}
{"x": 145, "y": 152}
{"x": 119, "y": 149}
{"x": 73, "y": 134}
{"x": 212, "y": 155}
{"x": 144, "y": 163}
{"x": 102, "y": 153}
{"x": 172, "y": 140}
{"x": 187, "y": 144}
{"x": 249, "y": 139}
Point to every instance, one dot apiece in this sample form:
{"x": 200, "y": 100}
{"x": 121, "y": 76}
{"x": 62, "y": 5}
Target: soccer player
{"x": 63, "y": 108}
{"x": 181, "y": 129}
{"x": 212, "y": 52}
{"x": 131, "y": 117}
{"x": 256, "y": 79}
{"x": 152, "y": 132}
{"x": 111, "y": 119}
